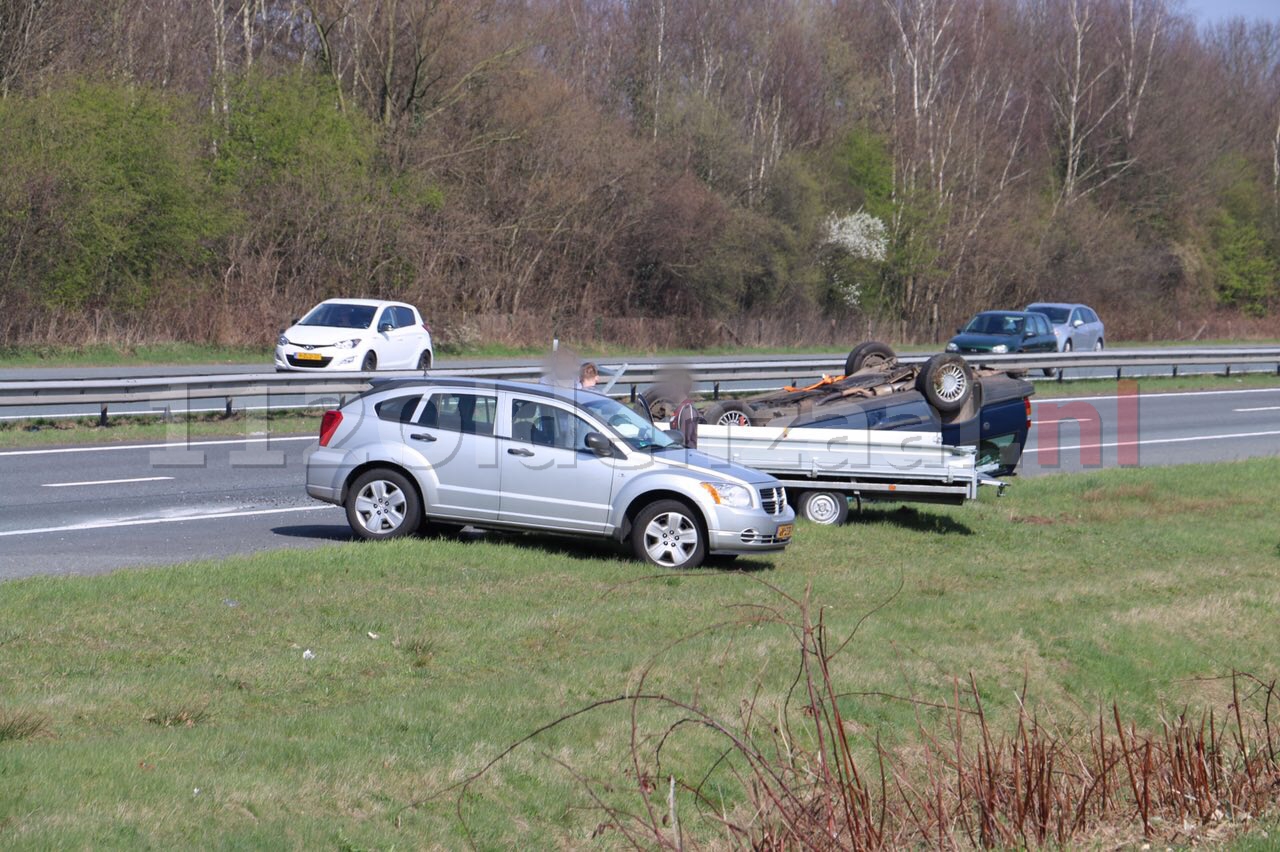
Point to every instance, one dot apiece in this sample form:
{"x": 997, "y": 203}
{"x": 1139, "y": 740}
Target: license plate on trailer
{"x": 784, "y": 532}
{"x": 308, "y": 356}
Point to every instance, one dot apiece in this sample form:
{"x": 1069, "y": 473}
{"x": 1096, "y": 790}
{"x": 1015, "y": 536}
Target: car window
{"x": 1076, "y": 315}
{"x": 469, "y": 413}
{"x": 995, "y": 324}
{"x": 1054, "y": 314}
{"x": 339, "y": 315}
{"x": 398, "y": 409}
{"x": 403, "y": 315}
{"x": 909, "y": 414}
{"x": 1089, "y": 315}
{"x": 547, "y": 426}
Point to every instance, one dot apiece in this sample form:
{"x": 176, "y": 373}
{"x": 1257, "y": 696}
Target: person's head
{"x": 589, "y": 375}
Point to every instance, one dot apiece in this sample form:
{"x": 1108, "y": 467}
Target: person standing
{"x": 685, "y": 420}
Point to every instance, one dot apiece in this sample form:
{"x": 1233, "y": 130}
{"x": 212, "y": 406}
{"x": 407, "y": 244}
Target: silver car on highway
{"x": 510, "y": 455}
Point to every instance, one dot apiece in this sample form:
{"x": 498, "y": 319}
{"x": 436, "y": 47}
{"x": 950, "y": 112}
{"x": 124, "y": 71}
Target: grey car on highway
{"x": 1077, "y": 327}
{"x": 418, "y": 452}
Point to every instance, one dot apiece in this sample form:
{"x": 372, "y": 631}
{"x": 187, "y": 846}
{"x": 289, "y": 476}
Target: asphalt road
{"x": 84, "y": 510}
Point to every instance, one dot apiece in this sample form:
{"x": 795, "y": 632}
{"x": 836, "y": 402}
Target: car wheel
{"x": 946, "y": 382}
{"x": 383, "y": 504}
{"x": 1050, "y": 372}
{"x": 829, "y": 508}
{"x": 370, "y": 363}
{"x": 1067, "y": 347}
{"x": 424, "y": 360}
{"x": 668, "y": 534}
{"x": 868, "y": 355}
{"x": 729, "y": 414}
{"x": 1097, "y": 347}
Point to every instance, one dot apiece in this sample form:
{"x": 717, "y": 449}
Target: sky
{"x": 1210, "y": 11}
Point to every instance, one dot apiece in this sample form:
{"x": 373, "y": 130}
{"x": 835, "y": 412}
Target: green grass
{"x": 50, "y": 432}
{"x": 151, "y": 354}
{"x": 151, "y": 685}
{"x": 1049, "y": 389}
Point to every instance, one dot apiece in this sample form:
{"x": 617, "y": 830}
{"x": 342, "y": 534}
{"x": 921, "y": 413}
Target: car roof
{"x": 1035, "y": 305}
{"x": 1006, "y": 313}
{"x": 508, "y": 385}
{"x": 372, "y": 303}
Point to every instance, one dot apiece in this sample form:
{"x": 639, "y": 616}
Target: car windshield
{"x": 1058, "y": 315}
{"x": 995, "y": 324}
{"x": 639, "y": 433}
{"x": 338, "y": 315}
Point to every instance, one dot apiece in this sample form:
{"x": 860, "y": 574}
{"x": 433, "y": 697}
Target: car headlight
{"x": 346, "y": 344}
{"x": 1000, "y": 348}
{"x": 283, "y": 341}
{"x": 952, "y": 347}
{"x": 728, "y": 494}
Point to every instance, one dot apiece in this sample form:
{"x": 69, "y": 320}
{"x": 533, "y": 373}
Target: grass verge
{"x": 49, "y": 432}
{"x": 1049, "y": 389}
{"x": 183, "y": 708}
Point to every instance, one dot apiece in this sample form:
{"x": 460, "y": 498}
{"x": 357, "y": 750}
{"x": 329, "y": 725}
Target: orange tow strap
{"x": 826, "y": 380}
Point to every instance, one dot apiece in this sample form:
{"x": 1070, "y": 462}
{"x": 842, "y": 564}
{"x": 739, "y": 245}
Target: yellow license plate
{"x": 784, "y": 532}
{"x": 308, "y": 356}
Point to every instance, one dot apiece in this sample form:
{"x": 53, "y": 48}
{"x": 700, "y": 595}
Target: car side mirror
{"x": 599, "y": 444}
{"x": 1077, "y": 323}
{"x": 959, "y": 330}
{"x": 385, "y": 327}
{"x": 1028, "y": 333}
{"x": 295, "y": 320}
{"x": 676, "y": 435}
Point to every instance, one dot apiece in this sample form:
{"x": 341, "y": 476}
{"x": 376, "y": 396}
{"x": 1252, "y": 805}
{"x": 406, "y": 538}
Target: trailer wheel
{"x": 728, "y": 413}
{"x": 870, "y": 354}
{"x": 829, "y": 508}
{"x": 946, "y": 381}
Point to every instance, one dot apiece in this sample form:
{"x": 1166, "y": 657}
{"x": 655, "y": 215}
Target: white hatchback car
{"x": 356, "y": 334}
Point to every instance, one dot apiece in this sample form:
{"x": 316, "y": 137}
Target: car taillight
{"x": 1026, "y": 401}
{"x": 328, "y": 425}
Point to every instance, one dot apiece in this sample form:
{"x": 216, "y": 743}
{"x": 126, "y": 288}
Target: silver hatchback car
{"x": 510, "y": 455}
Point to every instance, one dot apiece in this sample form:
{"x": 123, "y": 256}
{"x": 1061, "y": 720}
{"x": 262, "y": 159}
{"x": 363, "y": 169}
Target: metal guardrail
{"x": 107, "y": 392}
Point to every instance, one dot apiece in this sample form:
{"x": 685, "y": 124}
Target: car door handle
{"x": 519, "y": 451}
{"x": 423, "y": 436}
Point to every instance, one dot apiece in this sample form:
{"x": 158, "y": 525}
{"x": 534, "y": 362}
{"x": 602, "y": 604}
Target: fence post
{"x": 102, "y": 416}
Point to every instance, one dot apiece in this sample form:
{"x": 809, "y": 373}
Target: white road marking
{"x": 1262, "y": 408}
{"x": 1140, "y": 395}
{"x": 1064, "y": 420}
{"x": 106, "y": 481}
{"x": 1161, "y": 441}
{"x": 177, "y": 519}
{"x": 189, "y": 445}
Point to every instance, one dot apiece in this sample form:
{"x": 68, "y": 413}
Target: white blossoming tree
{"x": 862, "y": 242}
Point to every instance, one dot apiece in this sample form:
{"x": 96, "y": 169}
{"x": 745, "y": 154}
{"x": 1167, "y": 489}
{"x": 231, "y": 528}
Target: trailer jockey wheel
{"x": 829, "y": 508}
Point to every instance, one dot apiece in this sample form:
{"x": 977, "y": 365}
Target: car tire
{"x": 728, "y": 413}
{"x": 870, "y": 354}
{"x": 370, "y": 363}
{"x": 828, "y": 508}
{"x": 669, "y": 534}
{"x": 1067, "y": 346}
{"x": 946, "y": 382}
{"x": 1050, "y": 372}
{"x": 424, "y": 360}
{"x": 382, "y": 504}
{"x": 1097, "y": 347}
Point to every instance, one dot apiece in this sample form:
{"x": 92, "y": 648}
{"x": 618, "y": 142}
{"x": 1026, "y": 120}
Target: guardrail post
{"x": 1118, "y": 369}
{"x": 227, "y": 412}
{"x": 1060, "y": 373}
{"x": 102, "y": 416}
{"x": 715, "y": 391}
{"x": 167, "y": 417}
{"x": 1228, "y": 374}
{"x": 1175, "y": 370}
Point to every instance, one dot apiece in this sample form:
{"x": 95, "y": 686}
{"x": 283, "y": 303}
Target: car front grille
{"x": 773, "y": 500}
{"x": 294, "y": 361}
{"x": 756, "y": 537}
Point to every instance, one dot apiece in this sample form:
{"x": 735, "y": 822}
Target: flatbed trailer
{"x": 822, "y": 469}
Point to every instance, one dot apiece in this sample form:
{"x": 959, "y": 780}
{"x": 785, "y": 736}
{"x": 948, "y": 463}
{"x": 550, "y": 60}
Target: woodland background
{"x": 642, "y": 172}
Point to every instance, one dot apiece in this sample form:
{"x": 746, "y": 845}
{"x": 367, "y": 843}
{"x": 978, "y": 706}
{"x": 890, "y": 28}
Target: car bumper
{"x": 326, "y": 472}
{"x": 309, "y": 361}
{"x": 749, "y": 531}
